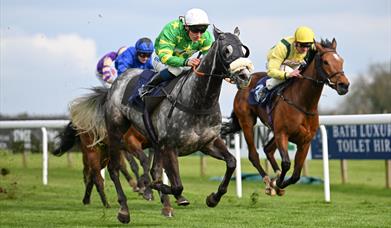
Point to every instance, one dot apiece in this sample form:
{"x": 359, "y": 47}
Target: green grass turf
{"x": 363, "y": 202}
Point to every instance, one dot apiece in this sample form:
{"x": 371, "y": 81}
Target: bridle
{"x": 324, "y": 80}
{"x": 325, "y": 77}
{"x": 218, "y": 57}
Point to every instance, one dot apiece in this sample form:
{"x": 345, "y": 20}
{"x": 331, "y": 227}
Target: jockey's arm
{"x": 123, "y": 62}
{"x": 275, "y": 58}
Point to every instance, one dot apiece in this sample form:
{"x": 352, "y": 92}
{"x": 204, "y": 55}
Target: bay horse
{"x": 292, "y": 115}
{"x": 190, "y": 123}
{"x": 96, "y": 158}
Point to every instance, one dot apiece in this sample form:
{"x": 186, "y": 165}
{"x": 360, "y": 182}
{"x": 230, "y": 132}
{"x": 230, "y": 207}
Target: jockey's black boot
{"x": 158, "y": 78}
{"x": 149, "y": 128}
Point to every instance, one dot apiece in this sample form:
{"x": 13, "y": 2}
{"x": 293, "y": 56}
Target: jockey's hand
{"x": 229, "y": 80}
{"x": 110, "y": 81}
{"x": 193, "y": 62}
{"x": 295, "y": 73}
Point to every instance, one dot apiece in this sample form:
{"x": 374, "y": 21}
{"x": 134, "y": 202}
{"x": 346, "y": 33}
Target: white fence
{"x": 43, "y": 124}
{"x": 324, "y": 120}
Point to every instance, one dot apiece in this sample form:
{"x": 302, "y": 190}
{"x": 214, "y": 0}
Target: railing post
{"x": 238, "y": 170}
{"x": 44, "y": 155}
{"x": 326, "y": 174}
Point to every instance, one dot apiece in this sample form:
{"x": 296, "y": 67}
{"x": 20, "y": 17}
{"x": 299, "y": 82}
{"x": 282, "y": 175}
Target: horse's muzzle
{"x": 342, "y": 88}
{"x": 243, "y": 79}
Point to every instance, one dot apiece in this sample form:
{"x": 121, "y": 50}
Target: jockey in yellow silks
{"x": 285, "y": 58}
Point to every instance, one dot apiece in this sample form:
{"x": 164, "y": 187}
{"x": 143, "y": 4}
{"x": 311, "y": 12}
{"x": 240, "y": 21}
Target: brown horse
{"x": 292, "y": 115}
{"x": 96, "y": 157}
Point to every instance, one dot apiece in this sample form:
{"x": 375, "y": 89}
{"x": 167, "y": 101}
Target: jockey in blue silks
{"x": 138, "y": 56}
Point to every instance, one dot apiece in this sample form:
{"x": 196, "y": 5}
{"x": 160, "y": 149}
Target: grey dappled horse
{"x": 194, "y": 123}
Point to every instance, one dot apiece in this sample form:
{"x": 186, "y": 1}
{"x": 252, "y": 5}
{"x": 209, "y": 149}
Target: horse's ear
{"x": 237, "y": 31}
{"x": 216, "y": 31}
{"x": 334, "y": 44}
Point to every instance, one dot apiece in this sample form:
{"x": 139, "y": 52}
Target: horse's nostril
{"x": 343, "y": 86}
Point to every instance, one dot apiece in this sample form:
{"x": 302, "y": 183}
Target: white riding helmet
{"x": 196, "y": 17}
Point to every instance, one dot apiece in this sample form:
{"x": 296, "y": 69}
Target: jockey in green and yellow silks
{"x": 286, "y": 57}
{"x": 175, "y": 45}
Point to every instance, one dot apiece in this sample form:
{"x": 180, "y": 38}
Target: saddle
{"x": 131, "y": 96}
{"x": 271, "y": 96}
{"x": 151, "y": 101}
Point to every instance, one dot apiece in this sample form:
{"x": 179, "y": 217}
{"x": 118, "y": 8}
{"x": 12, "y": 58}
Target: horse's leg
{"x": 135, "y": 148}
{"x": 114, "y": 138}
{"x": 247, "y": 124}
{"x": 300, "y": 156}
{"x": 281, "y": 141}
{"x": 156, "y": 173}
{"x": 180, "y": 199}
{"x": 218, "y": 150}
{"x": 134, "y": 167}
{"x": 92, "y": 160}
{"x": 270, "y": 149}
{"x": 133, "y": 141}
{"x": 98, "y": 160}
{"x": 144, "y": 179}
{"x": 88, "y": 183}
{"x": 132, "y": 183}
{"x": 171, "y": 166}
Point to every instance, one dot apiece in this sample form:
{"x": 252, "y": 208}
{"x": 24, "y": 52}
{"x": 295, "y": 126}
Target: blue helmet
{"x": 144, "y": 45}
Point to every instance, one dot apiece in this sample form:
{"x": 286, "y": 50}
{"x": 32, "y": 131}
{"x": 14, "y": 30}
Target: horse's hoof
{"x": 280, "y": 191}
{"x": 123, "y": 216}
{"x": 168, "y": 212}
{"x": 211, "y": 201}
{"x": 141, "y": 190}
{"x": 270, "y": 191}
{"x": 133, "y": 184}
{"x": 148, "y": 195}
{"x": 86, "y": 201}
{"x": 182, "y": 201}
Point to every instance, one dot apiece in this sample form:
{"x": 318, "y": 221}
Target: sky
{"x": 49, "y": 49}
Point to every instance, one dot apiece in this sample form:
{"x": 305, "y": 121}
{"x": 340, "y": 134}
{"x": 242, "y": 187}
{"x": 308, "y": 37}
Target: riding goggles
{"x": 198, "y": 28}
{"x": 144, "y": 55}
{"x": 304, "y": 45}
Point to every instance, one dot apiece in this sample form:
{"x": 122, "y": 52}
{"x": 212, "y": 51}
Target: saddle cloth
{"x": 132, "y": 97}
{"x": 253, "y": 93}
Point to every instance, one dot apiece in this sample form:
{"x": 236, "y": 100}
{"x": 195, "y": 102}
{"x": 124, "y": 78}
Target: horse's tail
{"x": 87, "y": 114}
{"x": 231, "y": 126}
{"x": 68, "y": 138}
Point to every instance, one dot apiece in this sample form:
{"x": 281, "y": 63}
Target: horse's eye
{"x": 228, "y": 50}
{"x": 325, "y": 62}
{"x": 244, "y": 50}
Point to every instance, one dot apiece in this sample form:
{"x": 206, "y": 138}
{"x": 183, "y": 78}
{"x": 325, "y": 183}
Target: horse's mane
{"x": 326, "y": 43}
